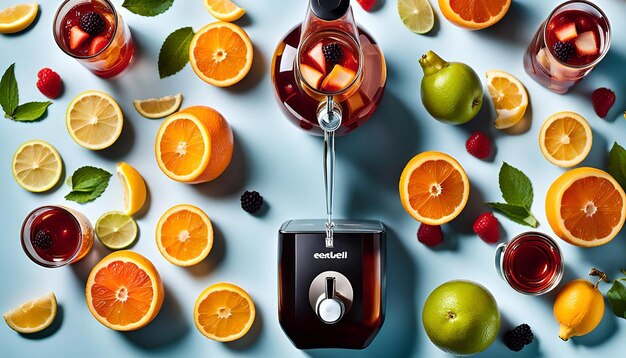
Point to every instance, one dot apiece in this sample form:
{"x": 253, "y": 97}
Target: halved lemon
{"x": 158, "y": 107}
{"x": 224, "y": 312}
{"x": 509, "y": 98}
{"x": 475, "y": 14}
{"x": 586, "y": 207}
{"x": 17, "y": 18}
{"x": 434, "y": 188}
{"x": 221, "y": 54}
{"x": 184, "y": 235}
{"x": 33, "y": 316}
{"x": 36, "y": 166}
{"x": 134, "y": 188}
{"x": 417, "y": 15}
{"x": 224, "y": 10}
{"x": 94, "y": 120}
{"x": 565, "y": 139}
{"x": 116, "y": 230}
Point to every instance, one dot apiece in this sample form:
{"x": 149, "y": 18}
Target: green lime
{"x": 116, "y": 230}
{"x": 417, "y": 15}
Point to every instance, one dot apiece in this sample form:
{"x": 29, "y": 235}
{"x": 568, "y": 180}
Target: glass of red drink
{"x": 531, "y": 263}
{"x": 54, "y": 236}
{"x": 94, "y": 33}
{"x": 568, "y": 45}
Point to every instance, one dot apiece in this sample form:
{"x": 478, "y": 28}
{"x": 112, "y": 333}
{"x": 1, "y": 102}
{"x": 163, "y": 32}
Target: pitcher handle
{"x": 498, "y": 259}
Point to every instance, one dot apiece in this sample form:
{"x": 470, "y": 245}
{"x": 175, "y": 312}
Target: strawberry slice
{"x": 339, "y": 78}
{"x": 316, "y": 57}
{"x": 586, "y": 44}
{"x": 566, "y": 32}
{"x": 77, "y": 37}
{"x": 312, "y": 76}
{"x": 97, "y": 44}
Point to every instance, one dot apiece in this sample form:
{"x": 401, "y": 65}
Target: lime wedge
{"x": 417, "y": 15}
{"x": 116, "y": 230}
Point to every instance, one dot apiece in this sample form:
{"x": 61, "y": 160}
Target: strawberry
{"x": 602, "y": 99}
{"x": 97, "y": 44}
{"x": 367, "y": 5}
{"x": 77, "y": 37}
{"x": 430, "y": 235}
{"x": 478, "y": 145}
{"x": 49, "y": 83}
{"x": 487, "y": 228}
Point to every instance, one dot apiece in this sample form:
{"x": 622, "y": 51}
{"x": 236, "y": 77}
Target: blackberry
{"x": 92, "y": 23}
{"x": 42, "y": 240}
{"x": 332, "y": 52}
{"x": 518, "y": 337}
{"x": 251, "y": 201}
{"x": 563, "y": 50}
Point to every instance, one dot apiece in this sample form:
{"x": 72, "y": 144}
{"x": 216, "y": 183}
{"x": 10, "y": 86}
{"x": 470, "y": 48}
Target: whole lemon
{"x": 578, "y": 307}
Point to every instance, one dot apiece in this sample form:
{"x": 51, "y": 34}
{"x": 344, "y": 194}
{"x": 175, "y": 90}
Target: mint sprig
{"x": 617, "y": 164}
{"x": 147, "y": 7}
{"x": 88, "y": 183}
{"x": 174, "y": 53}
{"x": 517, "y": 191}
{"x": 9, "y": 100}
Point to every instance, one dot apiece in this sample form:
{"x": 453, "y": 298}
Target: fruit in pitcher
{"x": 332, "y": 53}
{"x": 17, "y": 18}
{"x": 566, "y": 32}
{"x": 565, "y": 139}
{"x": 339, "y": 78}
{"x": 509, "y": 98}
{"x": 474, "y": 15}
{"x": 451, "y": 91}
{"x": 92, "y": 23}
{"x": 97, "y": 44}
{"x": 461, "y": 317}
{"x": 77, "y": 37}
{"x": 563, "y": 50}
{"x": 33, "y": 316}
{"x": 316, "y": 57}
{"x": 586, "y": 44}
{"x": 312, "y": 76}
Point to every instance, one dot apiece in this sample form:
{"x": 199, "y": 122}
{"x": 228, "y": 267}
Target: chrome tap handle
{"x": 331, "y": 288}
{"x": 329, "y": 119}
{"x": 330, "y": 308}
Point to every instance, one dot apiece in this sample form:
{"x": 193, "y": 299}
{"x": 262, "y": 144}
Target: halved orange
{"x": 124, "y": 291}
{"x": 184, "y": 235}
{"x": 224, "y": 312}
{"x": 586, "y": 207}
{"x": 475, "y": 14}
{"x": 565, "y": 139}
{"x": 194, "y": 145}
{"x": 434, "y": 188}
{"x": 221, "y": 54}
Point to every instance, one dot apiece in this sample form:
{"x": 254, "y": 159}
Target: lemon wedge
{"x": 134, "y": 188}
{"x": 17, "y": 18}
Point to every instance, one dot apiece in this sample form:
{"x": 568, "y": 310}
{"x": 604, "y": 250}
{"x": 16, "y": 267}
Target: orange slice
{"x": 475, "y": 14}
{"x": 194, "y": 145}
{"x": 586, "y": 207}
{"x": 184, "y": 235}
{"x": 565, "y": 139}
{"x": 434, "y": 188}
{"x": 224, "y": 10}
{"x": 224, "y": 312}
{"x": 124, "y": 291}
{"x": 221, "y": 54}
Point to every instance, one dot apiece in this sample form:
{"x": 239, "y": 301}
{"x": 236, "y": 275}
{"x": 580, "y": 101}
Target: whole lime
{"x": 451, "y": 91}
{"x": 461, "y": 317}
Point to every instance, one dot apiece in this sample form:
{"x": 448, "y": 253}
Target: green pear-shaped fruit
{"x": 451, "y": 91}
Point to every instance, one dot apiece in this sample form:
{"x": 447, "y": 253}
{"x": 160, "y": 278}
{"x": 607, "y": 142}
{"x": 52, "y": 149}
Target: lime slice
{"x": 116, "y": 230}
{"x": 36, "y": 166}
{"x": 158, "y": 107}
{"x": 94, "y": 120}
{"x": 417, "y": 15}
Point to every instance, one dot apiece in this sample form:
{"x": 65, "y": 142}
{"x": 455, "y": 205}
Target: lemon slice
{"x": 158, "y": 107}
{"x": 134, "y": 188}
{"x": 417, "y": 15}
{"x": 94, "y": 120}
{"x": 36, "y": 166}
{"x": 565, "y": 139}
{"x": 224, "y": 10}
{"x": 17, "y": 18}
{"x": 116, "y": 230}
{"x": 509, "y": 98}
{"x": 33, "y": 316}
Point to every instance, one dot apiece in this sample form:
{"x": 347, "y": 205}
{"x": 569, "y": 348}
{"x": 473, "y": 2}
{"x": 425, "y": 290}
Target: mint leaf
{"x": 174, "y": 53}
{"x": 147, "y": 7}
{"x": 9, "y": 96}
{"x": 515, "y": 213}
{"x": 617, "y": 164}
{"x": 515, "y": 186}
{"x": 88, "y": 183}
{"x": 617, "y": 298}
{"x": 30, "y": 111}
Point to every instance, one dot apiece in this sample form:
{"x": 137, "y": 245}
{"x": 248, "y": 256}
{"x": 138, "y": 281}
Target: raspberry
{"x": 42, "y": 240}
{"x": 367, "y": 5}
{"x": 518, "y": 337}
{"x": 49, "y": 83}
{"x": 332, "y": 52}
{"x": 602, "y": 99}
{"x": 430, "y": 235}
{"x": 478, "y": 145}
{"x": 251, "y": 201}
{"x": 92, "y": 23}
{"x": 487, "y": 228}
{"x": 563, "y": 50}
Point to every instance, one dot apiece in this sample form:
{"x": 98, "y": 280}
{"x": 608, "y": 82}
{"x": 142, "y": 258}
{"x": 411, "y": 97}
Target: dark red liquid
{"x": 348, "y": 59}
{"x": 64, "y": 231}
{"x": 584, "y": 22}
{"x": 73, "y": 19}
{"x": 531, "y": 263}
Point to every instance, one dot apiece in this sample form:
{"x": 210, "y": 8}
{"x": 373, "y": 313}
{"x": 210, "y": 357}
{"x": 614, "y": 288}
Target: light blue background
{"x": 284, "y": 164}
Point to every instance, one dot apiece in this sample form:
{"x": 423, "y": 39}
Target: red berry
{"x": 430, "y": 235}
{"x": 97, "y": 44}
{"x": 367, "y": 5}
{"x": 49, "y": 83}
{"x": 478, "y": 145}
{"x": 77, "y": 37}
{"x": 602, "y": 99}
{"x": 487, "y": 228}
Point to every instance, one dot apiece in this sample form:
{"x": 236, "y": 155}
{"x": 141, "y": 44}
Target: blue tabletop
{"x": 284, "y": 164}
